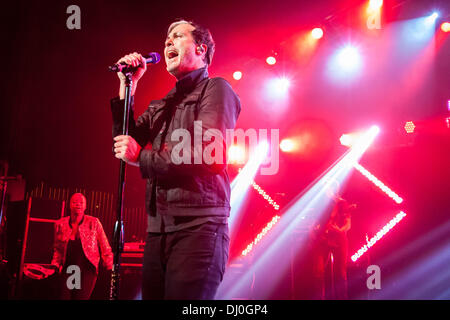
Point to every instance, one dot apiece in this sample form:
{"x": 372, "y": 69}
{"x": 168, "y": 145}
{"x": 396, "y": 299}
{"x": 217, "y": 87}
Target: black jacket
{"x": 186, "y": 189}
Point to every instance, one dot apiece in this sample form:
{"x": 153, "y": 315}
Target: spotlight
{"x": 375, "y": 5}
{"x": 375, "y": 129}
{"x": 445, "y": 26}
{"x": 277, "y": 88}
{"x": 349, "y": 139}
{"x": 317, "y": 33}
{"x": 380, "y": 234}
{"x": 432, "y": 18}
{"x": 237, "y": 75}
{"x": 409, "y": 127}
{"x": 346, "y": 140}
{"x": 236, "y": 154}
{"x": 281, "y": 85}
{"x": 287, "y": 145}
{"x": 347, "y": 57}
{"x": 271, "y": 60}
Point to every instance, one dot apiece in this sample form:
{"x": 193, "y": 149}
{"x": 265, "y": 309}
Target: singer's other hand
{"x": 127, "y": 149}
{"x": 135, "y": 60}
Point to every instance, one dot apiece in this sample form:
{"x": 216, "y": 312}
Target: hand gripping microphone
{"x": 152, "y": 57}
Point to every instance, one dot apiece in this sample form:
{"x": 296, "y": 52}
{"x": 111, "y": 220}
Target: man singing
{"x": 188, "y": 202}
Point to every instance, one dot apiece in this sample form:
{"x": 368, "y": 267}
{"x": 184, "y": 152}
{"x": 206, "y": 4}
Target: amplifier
{"x": 133, "y": 254}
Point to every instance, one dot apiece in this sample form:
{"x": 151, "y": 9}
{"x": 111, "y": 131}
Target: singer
{"x": 187, "y": 204}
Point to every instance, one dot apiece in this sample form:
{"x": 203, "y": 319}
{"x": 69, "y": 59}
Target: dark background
{"x": 56, "y": 123}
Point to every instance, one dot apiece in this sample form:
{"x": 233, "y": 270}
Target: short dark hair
{"x": 201, "y": 36}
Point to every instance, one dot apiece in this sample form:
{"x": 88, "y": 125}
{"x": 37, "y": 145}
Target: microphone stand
{"x": 118, "y": 238}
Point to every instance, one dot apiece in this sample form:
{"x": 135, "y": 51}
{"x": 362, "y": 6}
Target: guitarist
{"x": 330, "y": 237}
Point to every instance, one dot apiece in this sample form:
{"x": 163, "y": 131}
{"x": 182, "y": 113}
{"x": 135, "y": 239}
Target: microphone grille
{"x": 154, "y": 56}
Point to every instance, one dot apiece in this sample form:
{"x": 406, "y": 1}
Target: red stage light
{"x": 237, "y": 75}
{"x": 445, "y": 26}
{"x": 271, "y": 60}
{"x": 378, "y": 236}
{"x": 275, "y": 205}
{"x": 409, "y": 127}
{"x": 391, "y": 194}
{"x": 261, "y": 235}
{"x": 317, "y": 33}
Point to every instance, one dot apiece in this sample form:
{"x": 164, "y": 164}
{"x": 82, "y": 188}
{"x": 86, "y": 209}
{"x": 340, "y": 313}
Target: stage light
{"x": 346, "y": 140}
{"x": 348, "y": 58}
{"x": 317, "y": 33}
{"x": 277, "y": 88}
{"x": 237, "y": 75}
{"x": 265, "y": 196}
{"x": 374, "y": 130}
{"x": 349, "y": 139}
{"x": 242, "y": 182}
{"x": 311, "y": 203}
{"x": 287, "y": 145}
{"x": 380, "y": 234}
{"x": 236, "y": 154}
{"x": 345, "y": 63}
{"x": 260, "y": 235}
{"x": 445, "y": 26}
{"x": 281, "y": 85}
{"x": 430, "y": 20}
{"x": 391, "y": 194}
{"x": 271, "y": 60}
{"x": 409, "y": 127}
{"x": 375, "y": 5}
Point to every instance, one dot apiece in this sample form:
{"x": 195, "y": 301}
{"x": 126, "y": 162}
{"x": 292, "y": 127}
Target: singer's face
{"x": 180, "y": 51}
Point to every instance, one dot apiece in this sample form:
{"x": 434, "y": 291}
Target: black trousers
{"x": 321, "y": 259}
{"x": 185, "y": 265}
{"x": 88, "y": 280}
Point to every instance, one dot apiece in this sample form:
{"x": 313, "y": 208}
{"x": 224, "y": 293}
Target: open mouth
{"x": 172, "y": 54}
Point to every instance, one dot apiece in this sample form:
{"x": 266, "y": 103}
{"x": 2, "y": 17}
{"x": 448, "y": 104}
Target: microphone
{"x": 152, "y": 57}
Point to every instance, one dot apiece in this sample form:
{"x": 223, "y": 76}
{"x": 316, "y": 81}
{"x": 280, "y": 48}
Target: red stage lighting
{"x": 237, "y": 75}
{"x": 271, "y": 60}
{"x": 445, "y": 26}
{"x": 261, "y": 235}
{"x": 317, "y": 33}
{"x": 391, "y": 194}
{"x": 378, "y": 236}
{"x": 409, "y": 127}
